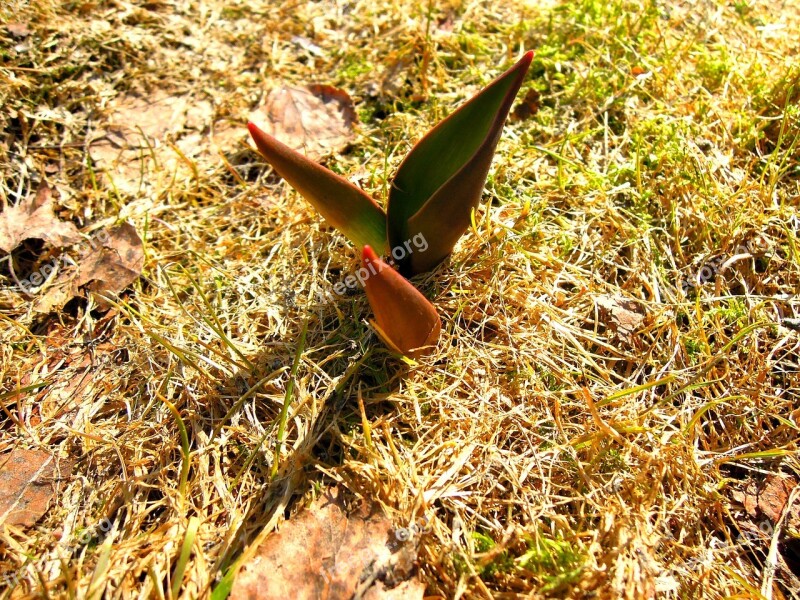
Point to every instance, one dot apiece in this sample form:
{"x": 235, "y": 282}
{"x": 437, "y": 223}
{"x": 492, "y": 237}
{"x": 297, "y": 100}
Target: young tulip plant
{"x": 430, "y": 202}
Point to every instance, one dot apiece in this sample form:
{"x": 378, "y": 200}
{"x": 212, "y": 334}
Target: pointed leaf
{"x": 341, "y": 203}
{"x": 405, "y": 319}
{"x": 442, "y": 178}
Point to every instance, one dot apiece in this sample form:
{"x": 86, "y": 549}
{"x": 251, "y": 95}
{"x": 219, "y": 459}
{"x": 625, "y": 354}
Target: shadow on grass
{"x": 369, "y": 371}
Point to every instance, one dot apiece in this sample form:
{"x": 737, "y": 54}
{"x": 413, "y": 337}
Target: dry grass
{"x": 554, "y": 453}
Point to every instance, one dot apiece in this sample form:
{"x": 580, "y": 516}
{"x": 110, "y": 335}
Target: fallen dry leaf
{"x": 748, "y": 498}
{"x": 394, "y": 80}
{"x": 138, "y": 128}
{"x": 325, "y": 554}
{"x": 112, "y": 261}
{"x": 620, "y": 315}
{"x": 154, "y": 116}
{"x": 27, "y": 484}
{"x": 110, "y": 268}
{"x": 768, "y": 498}
{"x": 33, "y": 218}
{"x": 765, "y": 502}
{"x": 774, "y": 496}
{"x": 529, "y": 106}
{"x": 317, "y": 119}
{"x": 18, "y": 30}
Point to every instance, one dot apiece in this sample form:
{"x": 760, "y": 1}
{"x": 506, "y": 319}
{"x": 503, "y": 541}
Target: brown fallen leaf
{"x": 621, "y": 316}
{"x": 112, "y": 267}
{"x": 137, "y": 129}
{"x": 33, "y": 218}
{"x": 765, "y": 503}
{"x": 18, "y": 30}
{"x": 111, "y": 263}
{"x": 325, "y": 554}
{"x": 27, "y": 485}
{"x": 120, "y": 158}
{"x": 153, "y": 116}
{"x": 316, "y": 119}
{"x": 774, "y": 496}
{"x": 528, "y": 107}
{"x": 768, "y": 498}
{"x": 392, "y": 80}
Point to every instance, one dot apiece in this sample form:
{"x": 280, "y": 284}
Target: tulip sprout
{"x": 431, "y": 198}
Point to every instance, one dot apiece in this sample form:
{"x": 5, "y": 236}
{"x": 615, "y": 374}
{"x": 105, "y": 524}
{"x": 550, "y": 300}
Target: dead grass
{"x": 553, "y": 452}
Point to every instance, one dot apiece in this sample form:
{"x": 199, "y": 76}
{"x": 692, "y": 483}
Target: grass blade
{"x": 288, "y": 399}
{"x": 186, "y": 550}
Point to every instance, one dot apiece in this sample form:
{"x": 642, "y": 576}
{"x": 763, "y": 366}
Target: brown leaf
{"x": 768, "y": 498}
{"x": 393, "y": 78}
{"x": 18, "y": 30}
{"x": 61, "y": 291}
{"x": 773, "y": 496}
{"x": 27, "y": 484}
{"x": 137, "y": 127}
{"x": 153, "y": 116}
{"x": 112, "y": 267}
{"x": 316, "y": 119}
{"x": 528, "y": 107}
{"x": 621, "y": 316}
{"x": 110, "y": 263}
{"x": 33, "y": 218}
{"x": 325, "y": 553}
{"x": 748, "y": 498}
{"x": 119, "y": 158}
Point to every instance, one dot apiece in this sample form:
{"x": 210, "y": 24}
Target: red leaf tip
{"x": 368, "y": 255}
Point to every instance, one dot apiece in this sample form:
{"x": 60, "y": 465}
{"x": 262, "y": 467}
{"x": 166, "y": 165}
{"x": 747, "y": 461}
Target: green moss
{"x": 353, "y": 67}
{"x": 503, "y": 562}
{"x": 556, "y": 561}
{"x": 613, "y": 461}
{"x": 694, "y": 349}
{"x": 713, "y": 66}
{"x": 733, "y": 312}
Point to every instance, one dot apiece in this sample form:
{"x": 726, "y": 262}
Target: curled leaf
{"x": 314, "y": 120}
{"x": 341, "y": 203}
{"x": 34, "y": 218}
{"x": 404, "y": 318}
{"x": 442, "y": 178}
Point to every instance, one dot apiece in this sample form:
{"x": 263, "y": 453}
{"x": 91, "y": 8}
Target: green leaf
{"x": 404, "y": 318}
{"x": 341, "y": 203}
{"x": 442, "y": 178}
